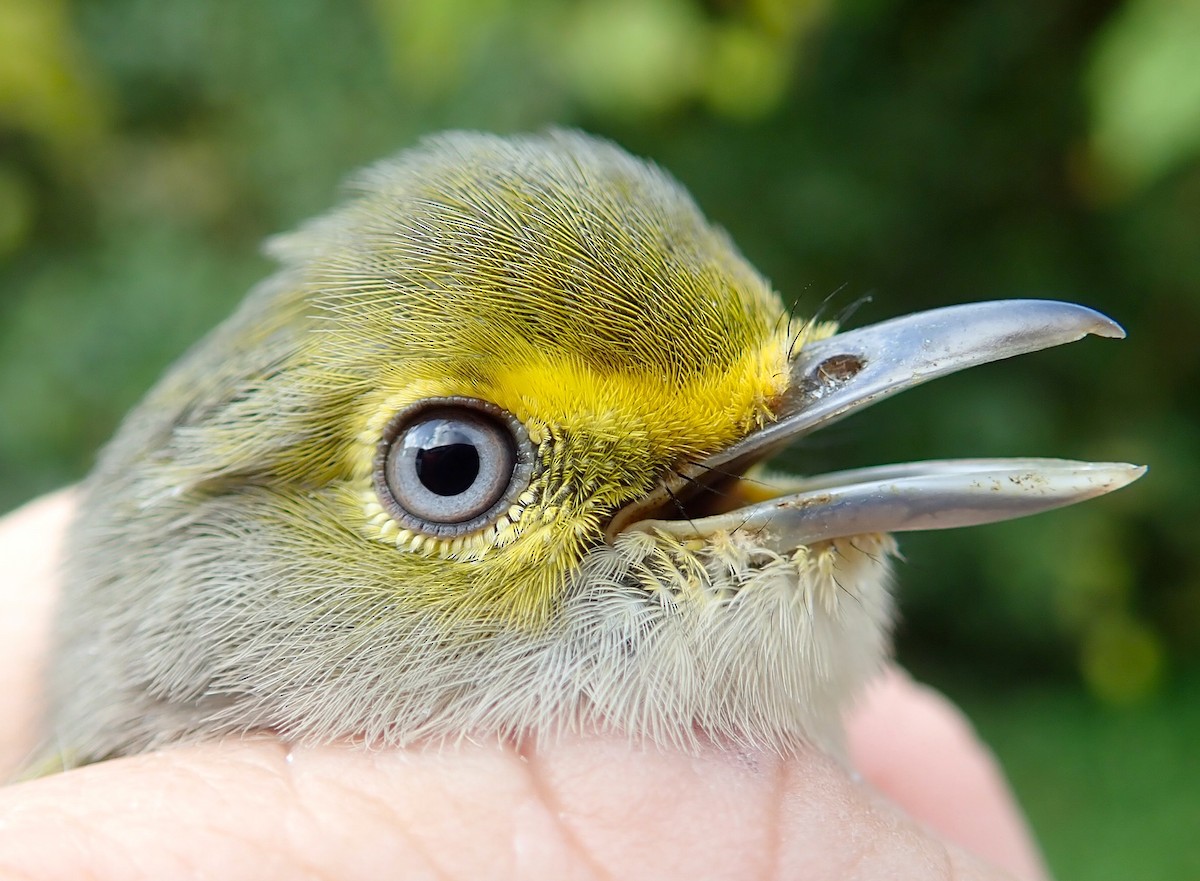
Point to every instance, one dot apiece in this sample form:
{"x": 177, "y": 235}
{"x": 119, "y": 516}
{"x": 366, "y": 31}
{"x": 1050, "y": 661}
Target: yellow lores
{"x": 472, "y": 463}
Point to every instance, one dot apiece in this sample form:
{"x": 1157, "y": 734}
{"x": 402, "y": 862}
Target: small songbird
{"x": 483, "y": 460}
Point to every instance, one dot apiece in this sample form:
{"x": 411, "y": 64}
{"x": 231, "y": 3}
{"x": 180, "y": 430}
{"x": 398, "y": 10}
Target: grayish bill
{"x": 847, "y": 372}
{"x": 913, "y": 496}
{"x": 835, "y": 377}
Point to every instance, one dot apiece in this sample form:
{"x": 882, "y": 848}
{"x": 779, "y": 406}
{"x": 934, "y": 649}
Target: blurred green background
{"x": 885, "y": 154}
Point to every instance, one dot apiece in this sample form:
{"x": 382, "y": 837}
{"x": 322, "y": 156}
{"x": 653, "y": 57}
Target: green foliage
{"x": 1145, "y": 90}
{"x": 906, "y": 151}
{"x": 1111, "y": 794}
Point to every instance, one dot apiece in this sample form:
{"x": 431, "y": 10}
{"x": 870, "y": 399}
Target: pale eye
{"x": 447, "y": 466}
{"x": 450, "y": 465}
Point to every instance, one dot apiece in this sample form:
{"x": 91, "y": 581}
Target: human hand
{"x": 930, "y": 802}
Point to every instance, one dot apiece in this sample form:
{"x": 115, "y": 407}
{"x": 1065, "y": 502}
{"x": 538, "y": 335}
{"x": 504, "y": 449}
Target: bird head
{"x": 482, "y": 459}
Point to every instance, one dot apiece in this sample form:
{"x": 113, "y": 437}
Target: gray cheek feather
{"x": 226, "y": 631}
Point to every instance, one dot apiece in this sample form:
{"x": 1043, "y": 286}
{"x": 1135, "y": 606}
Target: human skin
{"x": 927, "y": 800}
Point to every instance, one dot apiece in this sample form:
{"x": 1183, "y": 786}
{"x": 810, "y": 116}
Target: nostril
{"x": 839, "y": 368}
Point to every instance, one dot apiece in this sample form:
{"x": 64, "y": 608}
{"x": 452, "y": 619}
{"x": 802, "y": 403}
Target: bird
{"x": 484, "y": 458}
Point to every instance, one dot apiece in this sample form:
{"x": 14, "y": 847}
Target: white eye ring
{"x": 449, "y": 466}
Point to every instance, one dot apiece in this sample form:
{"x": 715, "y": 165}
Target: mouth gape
{"x": 834, "y": 377}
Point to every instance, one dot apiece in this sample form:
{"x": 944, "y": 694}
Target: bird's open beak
{"x": 837, "y": 376}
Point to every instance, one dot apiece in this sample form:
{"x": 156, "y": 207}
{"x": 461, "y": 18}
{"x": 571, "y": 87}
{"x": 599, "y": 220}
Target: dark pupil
{"x": 448, "y": 470}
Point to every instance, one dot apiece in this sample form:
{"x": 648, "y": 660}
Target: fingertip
{"x": 30, "y": 538}
{"x": 916, "y": 747}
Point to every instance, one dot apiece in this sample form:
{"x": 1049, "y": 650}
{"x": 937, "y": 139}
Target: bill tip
{"x": 1107, "y": 328}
